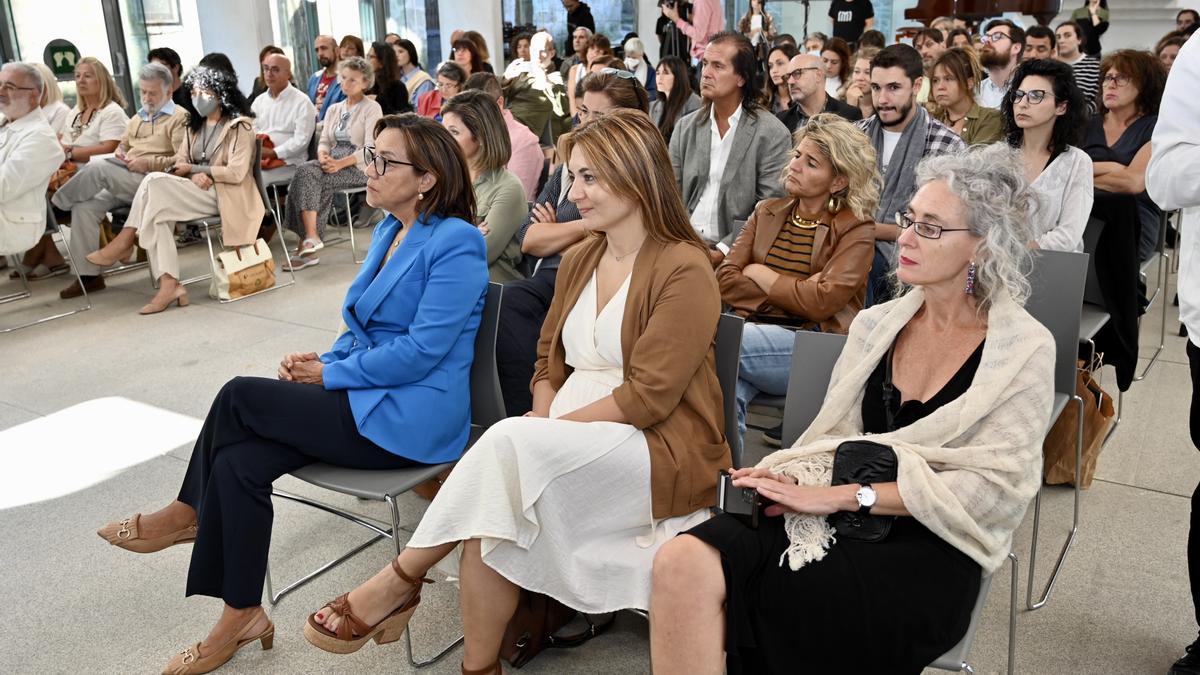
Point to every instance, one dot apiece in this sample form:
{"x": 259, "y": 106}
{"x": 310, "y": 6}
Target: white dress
{"x": 562, "y": 508}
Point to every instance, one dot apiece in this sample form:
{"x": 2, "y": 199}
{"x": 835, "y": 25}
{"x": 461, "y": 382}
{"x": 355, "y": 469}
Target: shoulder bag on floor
{"x": 533, "y": 626}
{"x": 241, "y": 271}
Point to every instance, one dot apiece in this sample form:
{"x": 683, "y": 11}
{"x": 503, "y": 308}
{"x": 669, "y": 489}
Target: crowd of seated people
{"x": 826, "y": 190}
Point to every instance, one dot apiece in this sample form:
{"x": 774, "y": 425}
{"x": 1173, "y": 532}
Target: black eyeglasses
{"x": 381, "y": 163}
{"x": 925, "y": 230}
{"x": 799, "y": 72}
{"x": 1117, "y": 80}
{"x": 1036, "y": 96}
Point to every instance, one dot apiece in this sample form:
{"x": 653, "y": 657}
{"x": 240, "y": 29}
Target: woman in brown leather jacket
{"x": 801, "y": 261}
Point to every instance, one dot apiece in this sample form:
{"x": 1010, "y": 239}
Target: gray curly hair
{"x": 997, "y": 201}
{"x": 359, "y": 64}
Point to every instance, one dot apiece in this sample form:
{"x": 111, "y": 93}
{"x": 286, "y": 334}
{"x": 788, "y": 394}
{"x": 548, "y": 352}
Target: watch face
{"x": 866, "y": 496}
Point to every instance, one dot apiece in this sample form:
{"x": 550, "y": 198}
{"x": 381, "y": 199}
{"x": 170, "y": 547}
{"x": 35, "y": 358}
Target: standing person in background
{"x": 776, "y": 96}
{"x": 671, "y": 40}
{"x": 707, "y": 20}
{"x": 351, "y": 46}
{"x": 1092, "y": 19}
{"x": 418, "y": 81}
{"x": 1069, "y": 41}
{"x": 675, "y": 95}
{"x": 851, "y": 18}
{"x": 1171, "y": 182}
{"x": 579, "y": 15}
{"x": 1003, "y": 45}
{"x": 323, "y": 87}
{"x": 389, "y": 90}
{"x": 836, "y": 56}
{"x": 758, "y": 26}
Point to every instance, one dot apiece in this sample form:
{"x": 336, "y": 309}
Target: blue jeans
{"x": 764, "y": 365}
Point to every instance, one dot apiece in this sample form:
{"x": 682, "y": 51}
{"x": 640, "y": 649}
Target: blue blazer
{"x": 332, "y": 95}
{"x": 406, "y": 360}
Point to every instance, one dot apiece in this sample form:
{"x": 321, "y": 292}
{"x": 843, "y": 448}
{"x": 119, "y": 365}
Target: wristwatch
{"x": 866, "y": 498}
{"x": 70, "y": 153}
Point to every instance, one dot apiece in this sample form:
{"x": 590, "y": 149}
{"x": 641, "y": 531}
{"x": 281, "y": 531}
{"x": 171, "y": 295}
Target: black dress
{"x": 893, "y": 606}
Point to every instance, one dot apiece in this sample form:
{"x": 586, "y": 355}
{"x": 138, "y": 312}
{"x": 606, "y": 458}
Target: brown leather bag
{"x": 533, "y": 626}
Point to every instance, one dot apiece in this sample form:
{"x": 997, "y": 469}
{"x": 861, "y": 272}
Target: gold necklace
{"x": 619, "y": 258}
{"x": 803, "y": 223}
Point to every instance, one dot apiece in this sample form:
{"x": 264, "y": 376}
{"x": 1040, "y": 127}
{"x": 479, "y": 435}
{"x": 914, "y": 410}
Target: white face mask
{"x": 632, "y": 63}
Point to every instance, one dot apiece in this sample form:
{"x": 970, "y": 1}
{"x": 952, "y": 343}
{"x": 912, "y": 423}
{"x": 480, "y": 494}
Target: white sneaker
{"x": 295, "y": 264}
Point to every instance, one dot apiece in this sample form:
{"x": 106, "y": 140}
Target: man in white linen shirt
{"x": 284, "y": 113}
{"x": 1003, "y": 45}
{"x": 29, "y": 155}
{"x": 1172, "y": 184}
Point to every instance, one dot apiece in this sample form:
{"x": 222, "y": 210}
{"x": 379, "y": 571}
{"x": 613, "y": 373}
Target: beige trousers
{"x": 161, "y": 201}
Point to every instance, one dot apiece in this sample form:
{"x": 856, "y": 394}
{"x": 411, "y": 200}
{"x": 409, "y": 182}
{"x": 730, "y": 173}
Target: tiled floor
{"x": 76, "y": 605}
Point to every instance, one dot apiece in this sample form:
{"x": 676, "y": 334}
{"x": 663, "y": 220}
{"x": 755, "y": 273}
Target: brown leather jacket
{"x": 831, "y": 296}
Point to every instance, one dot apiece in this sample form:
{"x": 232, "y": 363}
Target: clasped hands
{"x": 331, "y": 165}
{"x": 305, "y": 368}
{"x": 790, "y": 497}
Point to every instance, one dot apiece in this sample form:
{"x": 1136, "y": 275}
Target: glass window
{"x": 417, "y": 20}
{"x": 297, "y": 23}
{"x": 613, "y": 19}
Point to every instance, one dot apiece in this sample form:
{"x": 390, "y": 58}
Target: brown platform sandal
{"x": 493, "y": 669}
{"x": 352, "y": 633}
{"x": 125, "y": 534}
{"x": 190, "y": 662}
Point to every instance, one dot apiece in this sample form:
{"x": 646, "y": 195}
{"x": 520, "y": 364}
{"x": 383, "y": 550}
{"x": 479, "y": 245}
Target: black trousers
{"x": 1193, "y": 546}
{"x": 257, "y": 430}
{"x": 526, "y": 302}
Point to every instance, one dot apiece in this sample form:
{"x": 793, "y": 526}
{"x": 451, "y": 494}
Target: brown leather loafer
{"x": 124, "y": 534}
{"x": 190, "y": 662}
{"x": 93, "y": 285}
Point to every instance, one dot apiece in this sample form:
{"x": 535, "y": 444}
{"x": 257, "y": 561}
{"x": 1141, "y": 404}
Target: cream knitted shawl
{"x": 968, "y": 471}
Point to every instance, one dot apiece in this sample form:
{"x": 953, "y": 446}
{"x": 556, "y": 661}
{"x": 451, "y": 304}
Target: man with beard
{"x": 29, "y": 155}
{"x": 1003, "y": 44}
{"x": 1087, "y": 68}
{"x": 903, "y": 134}
{"x": 323, "y": 87}
{"x": 727, "y": 155}
{"x": 806, "y": 87}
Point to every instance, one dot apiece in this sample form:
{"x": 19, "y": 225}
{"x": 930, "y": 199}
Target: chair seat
{"x": 1091, "y": 319}
{"x": 281, "y": 176}
{"x": 768, "y": 401}
{"x": 955, "y": 658}
{"x": 375, "y": 485}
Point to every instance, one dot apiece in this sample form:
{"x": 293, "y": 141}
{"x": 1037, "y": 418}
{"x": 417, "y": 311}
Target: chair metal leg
{"x": 350, "y": 226}
{"x": 27, "y": 291}
{"x": 1012, "y": 615}
{"x": 1037, "y": 512}
{"x": 1164, "y": 285}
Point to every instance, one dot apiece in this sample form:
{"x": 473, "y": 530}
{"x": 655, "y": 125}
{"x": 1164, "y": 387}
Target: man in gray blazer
{"x": 729, "y": 154}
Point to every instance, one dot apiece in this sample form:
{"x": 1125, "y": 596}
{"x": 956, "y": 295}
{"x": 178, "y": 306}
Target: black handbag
{"x": 863, "y": 462}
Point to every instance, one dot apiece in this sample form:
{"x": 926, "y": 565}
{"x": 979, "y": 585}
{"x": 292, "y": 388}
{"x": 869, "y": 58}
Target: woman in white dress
{"x": 623, "y": 445}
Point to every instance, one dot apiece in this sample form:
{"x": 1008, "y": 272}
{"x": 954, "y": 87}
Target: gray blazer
{"x": 760, "y": 150}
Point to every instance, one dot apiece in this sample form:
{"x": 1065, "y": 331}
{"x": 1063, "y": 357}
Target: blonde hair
{"x": 629, "y": 156}
{"x": 50, "y": 91}
{"x": 853, "y": 157}
{"x": 109, "y": 93}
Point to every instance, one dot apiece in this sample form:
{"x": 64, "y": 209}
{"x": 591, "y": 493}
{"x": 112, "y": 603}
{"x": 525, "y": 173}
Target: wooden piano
{"x": 975, "y": 11}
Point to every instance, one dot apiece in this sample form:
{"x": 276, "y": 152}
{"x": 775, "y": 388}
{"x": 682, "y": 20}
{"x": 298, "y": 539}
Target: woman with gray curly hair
{"x": 340, "y": 163}
{"x": 909, "y": 483}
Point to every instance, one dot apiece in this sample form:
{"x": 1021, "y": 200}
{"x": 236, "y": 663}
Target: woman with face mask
{"x": 212, "y": 175}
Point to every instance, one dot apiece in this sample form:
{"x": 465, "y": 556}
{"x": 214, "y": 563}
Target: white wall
{"x": 239, "y": 29}
{"x": 478, "y": 15}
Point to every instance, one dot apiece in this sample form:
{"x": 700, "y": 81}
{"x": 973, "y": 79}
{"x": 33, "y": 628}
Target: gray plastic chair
{"x": 487, "y": 408}
{"x": 1058, "y": 281}
{"x": 729, "y": 350}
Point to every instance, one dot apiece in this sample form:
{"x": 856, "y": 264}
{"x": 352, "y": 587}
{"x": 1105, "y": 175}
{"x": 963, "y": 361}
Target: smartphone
{"x": 745, "y": 503}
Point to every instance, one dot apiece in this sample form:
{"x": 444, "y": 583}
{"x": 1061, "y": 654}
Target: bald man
{"x": 284, "y": 113}
{"x": 323, "y": 86}
{"x": 806, "y": 87}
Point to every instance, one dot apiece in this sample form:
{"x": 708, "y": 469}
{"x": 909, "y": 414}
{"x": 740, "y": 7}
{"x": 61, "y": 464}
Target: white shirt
{"x": 1066, "y": 192}
{"x": 288, "y": 119}
{"x": 705, "y": 215}
{"x": 832, "y": 84}
{"x": 107, "y": 124}
{"x": 29, "y": 155}
{"x": 890, "y": 140}
{"x": 59, "y": 115}
{"x": 991, "y": 95}
{"x": 1171, "y": 174}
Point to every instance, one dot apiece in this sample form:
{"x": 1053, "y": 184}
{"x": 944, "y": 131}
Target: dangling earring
{"x": 970, "y": 288}
{"x": 420, "y": 196}
{"x": 835, "y": 202}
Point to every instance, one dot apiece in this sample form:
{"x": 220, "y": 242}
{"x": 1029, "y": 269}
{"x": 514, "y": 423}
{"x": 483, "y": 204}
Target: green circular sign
{"x": 61, "y": 56}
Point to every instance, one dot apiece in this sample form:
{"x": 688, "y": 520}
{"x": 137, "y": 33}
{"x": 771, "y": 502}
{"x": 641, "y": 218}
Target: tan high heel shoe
{"x": 352, "y": 633}
{"x": 190, "y": 662}
{"x": 107, "y": 258}
{"x": 180, "y": 296}
{"x": 125, "y": 534}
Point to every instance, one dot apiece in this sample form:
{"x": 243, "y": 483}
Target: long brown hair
{"x": 629, "y": 156}
{"x": 624, "y": 92}
{"x": 432, "y": 150}
{"x": 481, "y": 115}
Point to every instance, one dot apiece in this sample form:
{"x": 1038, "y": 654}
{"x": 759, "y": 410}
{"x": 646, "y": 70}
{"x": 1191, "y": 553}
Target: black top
{"x": 874, "y": 410}
{"x": 395, "y": 100}
{"x": 850, "y": 18}
{"x": 1122, "y": 152}
{"x": 793, "y": 118}
{"x": 580, "y": 16}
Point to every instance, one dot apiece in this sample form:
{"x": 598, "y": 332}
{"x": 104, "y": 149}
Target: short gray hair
{"x": 31, "y": 74}
{"x": 997, "y": 200}
{"x": 359, "y": 64}
{"x": 157, "y": 71}
{"x": 636, "y": 46}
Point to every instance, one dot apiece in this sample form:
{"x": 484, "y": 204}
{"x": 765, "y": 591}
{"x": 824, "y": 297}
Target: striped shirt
{"x": 791, "y": 253}
{"x": 1087, "y": 77}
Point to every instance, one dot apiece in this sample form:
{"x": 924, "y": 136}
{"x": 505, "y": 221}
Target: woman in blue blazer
{"x": 393, "y": 391}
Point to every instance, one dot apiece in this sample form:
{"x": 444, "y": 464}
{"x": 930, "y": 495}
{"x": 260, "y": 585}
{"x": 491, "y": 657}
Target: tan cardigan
{"x": 670, "y": 390}
{"x": 238, "y": 199}
{"x": 831, "y": 296}
{"x": 362, "y": 127}
{"x": 158, "y": 141}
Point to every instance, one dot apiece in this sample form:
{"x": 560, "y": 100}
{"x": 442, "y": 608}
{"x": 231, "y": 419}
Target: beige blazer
{"x": 362, "y": 127}
{"x": 238, "y": 199}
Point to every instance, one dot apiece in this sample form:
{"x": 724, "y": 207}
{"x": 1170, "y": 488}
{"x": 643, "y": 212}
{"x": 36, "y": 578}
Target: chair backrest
{"x": 314, "y": 142}
{"x": 487, "y": 401}
{"x": 729, "y": 350}
{"x": 813, "y": 358}
{"x": 258, "y": 175}
{"x": 1056, "y": 301}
